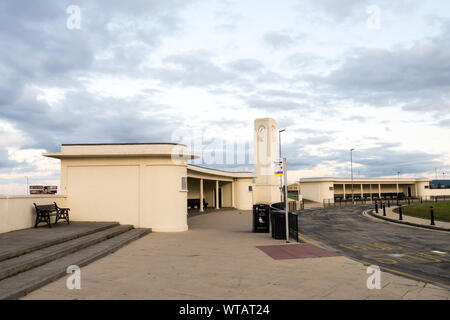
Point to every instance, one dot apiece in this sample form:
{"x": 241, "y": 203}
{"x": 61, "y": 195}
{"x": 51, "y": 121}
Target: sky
{"x": 370, "y": 75}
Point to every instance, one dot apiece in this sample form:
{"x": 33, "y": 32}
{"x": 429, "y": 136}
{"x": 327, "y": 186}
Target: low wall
{"x": 17, "y": 212}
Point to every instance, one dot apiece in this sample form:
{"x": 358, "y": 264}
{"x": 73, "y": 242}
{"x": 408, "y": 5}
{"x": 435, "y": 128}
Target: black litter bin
{"x": 278, "y": 224}
{"x": 261, "y": 214}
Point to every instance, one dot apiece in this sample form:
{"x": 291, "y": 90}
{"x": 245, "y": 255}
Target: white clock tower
{"x": 266, "y": 187}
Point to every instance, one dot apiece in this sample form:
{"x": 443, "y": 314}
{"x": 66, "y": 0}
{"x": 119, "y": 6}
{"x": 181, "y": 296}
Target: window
{"x": 331, "y": 188}
{"x": 250, "y": 188}
{"x": 427, "y": 187}
{"x": 184, "y": 184}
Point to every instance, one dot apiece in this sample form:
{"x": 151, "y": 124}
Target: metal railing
{"x": 292, "y": 220}
{"x": 327, "y": 203}
{"x": 293, "y": 226}
{"x": 296, "y": 205}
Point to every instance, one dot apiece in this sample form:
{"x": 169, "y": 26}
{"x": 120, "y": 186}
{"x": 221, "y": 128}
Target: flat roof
{"x": 122, "y": 144}
{"x": 217, "y": 172}
{"x": 122, "y": 150}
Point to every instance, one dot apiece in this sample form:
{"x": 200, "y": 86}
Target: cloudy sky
{"x": 336, "y": 74}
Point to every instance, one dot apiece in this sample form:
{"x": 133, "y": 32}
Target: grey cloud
{"x": 274, "y": 105}
{"x": 283, "y": 93}
{"x": 5, "y": 162}
{"x": 416, "y": 77}
{"x": 246, "y": 65}
{"x": 43, "y": 52}
{"x": 382, "y": 160}
{"x": 428, "y": 105}
{"x": 301, "y": 60}
{"x": 340, "y": 10}
{"x": 192, "y": 69}
{"x": 357, "y": 118}
{"x": 278, "y": 40}
{"x": 444, "y": 123}
{"x": 376, "y": 70}
{"x": 85, "y": 118}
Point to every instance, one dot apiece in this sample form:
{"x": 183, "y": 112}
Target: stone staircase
{"x": 32, "y": 258}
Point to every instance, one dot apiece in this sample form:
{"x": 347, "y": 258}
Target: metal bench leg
{"x": 48, "y": 220}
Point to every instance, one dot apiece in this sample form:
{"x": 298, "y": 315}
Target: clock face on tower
{"x": 261, "y": 133}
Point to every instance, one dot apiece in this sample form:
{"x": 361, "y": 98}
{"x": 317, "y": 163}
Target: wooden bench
{"x": 44, "y": 212}
{"x": 192, "y": 203}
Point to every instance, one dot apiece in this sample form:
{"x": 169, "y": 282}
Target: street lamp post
{"x": 351, "y": 169}
{"x": 279, "y": 151}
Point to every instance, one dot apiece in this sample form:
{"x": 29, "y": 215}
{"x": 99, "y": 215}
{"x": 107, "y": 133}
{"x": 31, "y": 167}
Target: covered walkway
{"x": 218, "y": 189}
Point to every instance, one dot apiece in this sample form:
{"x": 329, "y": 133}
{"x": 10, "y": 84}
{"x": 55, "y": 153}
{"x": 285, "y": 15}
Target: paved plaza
{"x": 218, "y": 258}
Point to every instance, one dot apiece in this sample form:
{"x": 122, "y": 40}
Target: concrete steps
{"x": 24, "y": 273}
{"x": 20, "y": 242}
{"x": 36, "y": 258}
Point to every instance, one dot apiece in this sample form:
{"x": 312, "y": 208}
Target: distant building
{"x": 438, "y": 184}
{"x": 335, "y": 189}
{"x": 38, "y": 189}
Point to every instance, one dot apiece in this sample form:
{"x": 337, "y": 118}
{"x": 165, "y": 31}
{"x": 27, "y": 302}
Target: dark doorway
{"x": 220, "y": 197}
{"x": 409, "y": 192}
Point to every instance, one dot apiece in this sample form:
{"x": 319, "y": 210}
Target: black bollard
{"x": 432, "y": 215}
{"x": 397, "y": 202}
{"x": 400, "y": 213}
{"x": 421, "y": 200}
{"x": 384, "y": 209}
{"x": 376, "y": 207}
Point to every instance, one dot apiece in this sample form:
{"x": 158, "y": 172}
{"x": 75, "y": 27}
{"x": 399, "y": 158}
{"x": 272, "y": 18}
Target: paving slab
{"x": 218, "y": 258}
{"x": 23, "y": 283}
{"x": 15, "y": 243}
{"x": 12, "y": 266}
{"x": 296, "y": 251}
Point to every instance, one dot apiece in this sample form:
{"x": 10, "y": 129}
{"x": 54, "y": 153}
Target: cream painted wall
{"x": 243, "y": 198}
{"x": 145, "y": 192}
{"x": 194, "y": 189}
{"x": 426, "y": 192}
{"x": 208, "y": 193}
{"x": 317, "y": 191}
{"x": 226, "y": 193}
{"x": 17, "y": 212}
{"x": 165, "y": 204}
{"x": 104, "y": 193}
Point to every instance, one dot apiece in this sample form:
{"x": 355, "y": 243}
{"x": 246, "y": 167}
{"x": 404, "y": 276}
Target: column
{"x": 217, "y": 194}
{"x": 379, "y": 190}
{"x": 343, "y": 185}
{"x": 362, "y": 191}
{"x": 370, "y": 187}
{"x": 201, "y": 195}
{"x": 397, "y": 189}
{"x": 232, "y": 193}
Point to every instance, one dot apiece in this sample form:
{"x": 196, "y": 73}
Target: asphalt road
{"x": 412, "y": 252}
